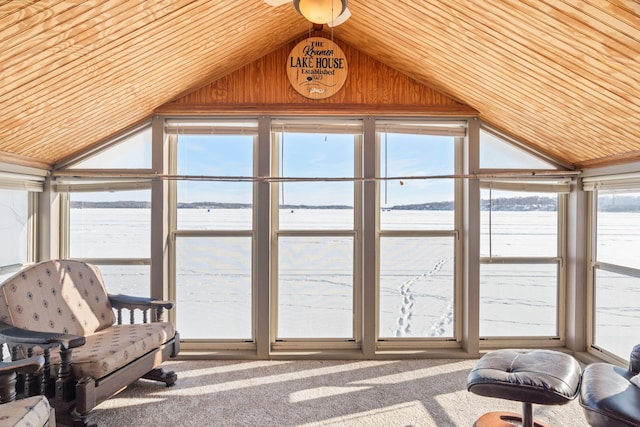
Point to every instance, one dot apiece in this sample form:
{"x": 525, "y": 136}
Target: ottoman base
{"x": 543, "y": 377}
{"x": 508, "y": 419}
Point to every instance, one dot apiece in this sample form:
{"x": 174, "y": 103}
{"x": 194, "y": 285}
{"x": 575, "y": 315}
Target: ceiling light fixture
{"x": 320, "y": 11}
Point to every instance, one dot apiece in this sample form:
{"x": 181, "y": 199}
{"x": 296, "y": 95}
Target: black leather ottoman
{"x": 544, "y": 377}
{"x": 608, "y": 397}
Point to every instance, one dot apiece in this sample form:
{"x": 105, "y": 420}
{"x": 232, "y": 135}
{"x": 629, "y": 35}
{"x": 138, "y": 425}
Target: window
{"x": 107, "y": 221}
{"x": 14, "y": 228}
{"x": 213, "y": 228}
{"x": 315, "y": 287}
{"x": 270, "y": 218}
{"x": 616, "y": 275}
{"x": 211, "y": 204}
{"x": 132, "y": 151}
{"x": 411, "y": 195}
{"x": 418, "y": 229}
{"x": 520, "y": 264}
{"x": 417, "y": 287}
{"x": 113, "y": 230}
{"x": 315, "y": 227}
{"x": 213, "y": 287}
{"x": 18, "y": 218}
{"x": 521, "y": 243}
{"x": 496, "y": 153}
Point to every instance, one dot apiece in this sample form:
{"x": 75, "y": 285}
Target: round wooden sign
{"x": 317, "y": 68}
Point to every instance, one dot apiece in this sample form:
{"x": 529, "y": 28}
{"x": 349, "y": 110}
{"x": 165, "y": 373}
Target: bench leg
{"x": 159, "y": 374}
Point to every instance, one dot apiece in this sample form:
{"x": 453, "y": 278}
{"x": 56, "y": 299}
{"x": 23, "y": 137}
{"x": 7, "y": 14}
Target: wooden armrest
{"x": 141, "y": 303}
{"x": 24, "y": 336}
{"x": 30, "y": 365}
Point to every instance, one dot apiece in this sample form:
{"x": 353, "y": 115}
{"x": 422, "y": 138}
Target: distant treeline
{"x": 193, "y": 205}
{"x": 618, "y": 203}
{"x": 529, "y": 203}
{"x": 112, "y": 205}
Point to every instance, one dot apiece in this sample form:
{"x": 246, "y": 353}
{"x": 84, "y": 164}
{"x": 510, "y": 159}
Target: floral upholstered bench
{"x": 61, "y": 308}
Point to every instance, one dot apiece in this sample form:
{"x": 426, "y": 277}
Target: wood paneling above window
{"x": 371, "y": 88}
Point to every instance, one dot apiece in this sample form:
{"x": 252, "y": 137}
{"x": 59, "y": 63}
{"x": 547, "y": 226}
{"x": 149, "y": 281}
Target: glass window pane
{"x": 315, "y": 219}
{"x": 14, "y": 226}
{"x": 305, "y": 155}
{"x": 205, "y": 215}
{"x": 213, "y": 204}
{"x": 518, "y": 224}
{"x": 215, "y": 155}
{"x": 134, "y": 152}
{"x": 131, "y": 280}
{"x": 618, "y": 229}
{"x": 496, "y": 153}
{"x": 617, "y": 318}
{"x": 213, "y": 286}
{"x": 518, "y": 300}
{"x": 417, "y": 287}
{"x": 400, "y": 219}
{"x": 416, "y": 203}
{"x": 110, "y": 224}
{"x": 315, "y": 287}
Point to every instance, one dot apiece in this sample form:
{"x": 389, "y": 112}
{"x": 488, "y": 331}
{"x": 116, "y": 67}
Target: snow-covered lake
{"x": 316, "y": 294}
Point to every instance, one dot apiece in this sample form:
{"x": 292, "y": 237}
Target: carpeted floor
{"x": 314, "y": 393}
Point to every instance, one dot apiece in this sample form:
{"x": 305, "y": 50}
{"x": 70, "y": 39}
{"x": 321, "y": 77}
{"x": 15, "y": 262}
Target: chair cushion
{"x": 608, "y": 397}
{"x": 114, "y": 347}
{"x": 31, "y": 411}
{"x": 544, "y": 377}
{"x": 64, "y": 296}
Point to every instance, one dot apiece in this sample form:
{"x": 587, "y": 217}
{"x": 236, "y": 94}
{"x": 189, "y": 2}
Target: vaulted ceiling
{"x": 560, "y": 75}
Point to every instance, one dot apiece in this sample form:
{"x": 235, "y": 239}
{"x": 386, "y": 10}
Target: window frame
{"x": 69, "y": 179}
{"x": 616, "y": 183}
{"x": 212, "y": 126}
{"x": 31, "y": 254}
{"x": 65, "y": 225}
{"x": 457, "y": 129}
{"x": 31, "y": 181}
{"x": 322, "y": 125}
{"x": 367, "y": 181}
{"x": 562, "y": 191}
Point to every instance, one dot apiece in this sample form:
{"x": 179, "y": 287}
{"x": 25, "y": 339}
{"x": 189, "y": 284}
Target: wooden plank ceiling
{"x": 560, "y": 75}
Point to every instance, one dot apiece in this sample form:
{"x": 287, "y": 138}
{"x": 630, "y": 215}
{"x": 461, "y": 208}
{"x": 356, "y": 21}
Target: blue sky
{"x": 316, "y": 156}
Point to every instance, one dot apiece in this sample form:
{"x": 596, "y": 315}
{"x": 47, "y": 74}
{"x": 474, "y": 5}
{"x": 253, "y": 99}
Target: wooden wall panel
{"x": 560, "y": 75}
{"x": 263, "y": 87}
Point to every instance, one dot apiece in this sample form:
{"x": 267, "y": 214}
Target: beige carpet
{"x": 314, "y": 393}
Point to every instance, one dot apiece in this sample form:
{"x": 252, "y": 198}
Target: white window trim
{"x": 65, "y": 229}
{"x": 627, "y": 182}
{"x": 32, "y": 221}
{"x": 561, "y": 190}
{"x": 332, "y": 126}
{"x": 458, "y": 130}
{"x": 227, "y": 126}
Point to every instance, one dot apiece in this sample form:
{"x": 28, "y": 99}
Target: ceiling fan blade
{"x": 340, "y": 19}
{"x": 276, "y": 2}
